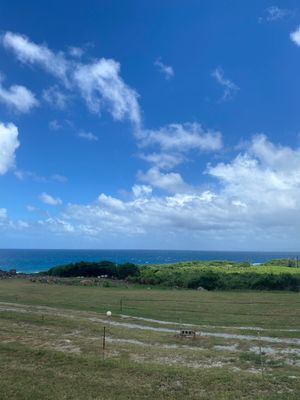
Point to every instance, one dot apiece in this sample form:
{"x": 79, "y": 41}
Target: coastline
{"x": 34, "y": 261}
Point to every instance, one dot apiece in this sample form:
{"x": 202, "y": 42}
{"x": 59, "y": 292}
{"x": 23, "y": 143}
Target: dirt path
{"x": 12, "y": 307}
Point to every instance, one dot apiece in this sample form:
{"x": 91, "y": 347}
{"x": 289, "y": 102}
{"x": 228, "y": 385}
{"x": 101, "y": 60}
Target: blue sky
{"x": 168, "y": 125}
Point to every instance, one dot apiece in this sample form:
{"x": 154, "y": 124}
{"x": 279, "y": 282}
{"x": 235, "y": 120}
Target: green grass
{"x": 266, "y": 309}
{"x": 226, "y": 267}
{"x": 56, "y": 353}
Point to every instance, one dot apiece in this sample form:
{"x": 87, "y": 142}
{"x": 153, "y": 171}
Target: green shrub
{"x": 126, "y": 270}
{"x": 84, "y": 268}
{"x": 211, "y": 275}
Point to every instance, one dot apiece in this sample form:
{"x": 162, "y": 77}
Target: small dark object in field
{"x": 187, "y": 333}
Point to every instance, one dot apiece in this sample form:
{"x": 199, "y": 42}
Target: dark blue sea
{"x": 41, "y": 260}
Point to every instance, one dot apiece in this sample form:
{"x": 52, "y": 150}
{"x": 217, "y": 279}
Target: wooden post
{"x": 103, "y": 342}
{"x": 261, "y": 356}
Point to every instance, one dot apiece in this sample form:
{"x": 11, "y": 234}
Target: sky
{"x": 150, "y": 124}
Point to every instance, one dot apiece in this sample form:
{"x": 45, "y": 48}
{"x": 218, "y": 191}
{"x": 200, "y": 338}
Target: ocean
{"x": 40, "y": 260}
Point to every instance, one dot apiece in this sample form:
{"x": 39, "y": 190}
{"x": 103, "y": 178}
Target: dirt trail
{"x": 129, "y": 325}
{"x": 242, "y": 328}
{"x": 80, "y": 342}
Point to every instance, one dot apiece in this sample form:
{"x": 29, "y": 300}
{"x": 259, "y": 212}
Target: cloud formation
{"x": 182, "y": 138}
{"x": 55, "y": 97}
{"x": 28, "y": 52}
{"x": 99, "y": 82}
{"x": 170, "y": 182}
{"x": 88, "y": 136}
{"x": 257, "y": 197}
{"x": 50, "y": 200}
{"x": 17, "y": 98}
{"x": 230, "y": 89}
{"x": 8, "y": 145}
{"x": 76, "y": 52}
{"x": 255, "y": 193}
{"x": 295, "y": 36}
{"x": 274, "y": 13}
{"x": 102, "y": 87}
{"x": 166, "y": 70}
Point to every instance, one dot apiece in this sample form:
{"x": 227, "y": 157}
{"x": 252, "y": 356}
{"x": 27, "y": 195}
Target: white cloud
{"x": 8, "y": 145}
{"x": 166, "y": 70}
{"x": 253, "y": 198}
{"x": 99, "y": 82}
{"x": 230, "y": 88}
{"x": 295, "y": 36}
{"x": 30, "y": 208}
{"x": 55, "y": 97}
{"x": 163, "y": 160}
{"x": 141, "y": 190}
{"x": 257, "y": 197}
{"x": 57, "y": 225}
{"x": 274, "y": 13}
{"x": 7, "y": 224}
{"x": 174, "y": 142}
{"x": 55, "y": 125}
{"x": 3, "y": 213}
{"x": 50, "y": 200}
{"x": 110, "y": 202}
{"x": 28, "y": 52}
{"x": 17, "y": 98}
{"x": 171, "y": 182}
{"x": 59, "y": 178}
{"x": 182, "y": 138}
{"x": 76, "y": 52}
{"x": 162, "y": 216}
{"x": 88, "y": 136}
{"x": 102, "y": 88}
{"x": 266, "y": 178}
{"x": 22, "y": 175}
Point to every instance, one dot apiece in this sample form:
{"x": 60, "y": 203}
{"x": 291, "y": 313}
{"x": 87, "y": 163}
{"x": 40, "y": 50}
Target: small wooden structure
{"x": 187, "y": 333}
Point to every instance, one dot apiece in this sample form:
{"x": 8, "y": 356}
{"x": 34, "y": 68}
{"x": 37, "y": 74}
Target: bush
{"x": 207, "y": 279}
{"x": 284, "y": 262}
{"x": 93, "y": 269}
{"x": 85, "y": 268}
{"x": 127, "y": 269}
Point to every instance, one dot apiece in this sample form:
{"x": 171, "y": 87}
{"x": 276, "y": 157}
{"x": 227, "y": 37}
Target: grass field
{"x": 247, "y": 344}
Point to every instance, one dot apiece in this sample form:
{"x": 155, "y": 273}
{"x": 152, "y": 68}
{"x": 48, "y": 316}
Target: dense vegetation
{"x": 284, "y": 262}
{"x": 93, "y": 269}
{"x": 280, "y": 274}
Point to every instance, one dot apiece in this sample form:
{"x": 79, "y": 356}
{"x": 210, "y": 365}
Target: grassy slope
{"x": 226, "y": 267}
{"x": 35, "y": 365}
{"x": 275, "y": 309}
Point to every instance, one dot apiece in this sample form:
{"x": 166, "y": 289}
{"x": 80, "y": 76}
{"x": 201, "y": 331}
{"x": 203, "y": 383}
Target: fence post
{"x": 261, "y": 356}
{"x": 103, "y": 342}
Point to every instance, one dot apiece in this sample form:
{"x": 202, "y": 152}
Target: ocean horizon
{"x": 36, "y": 260}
